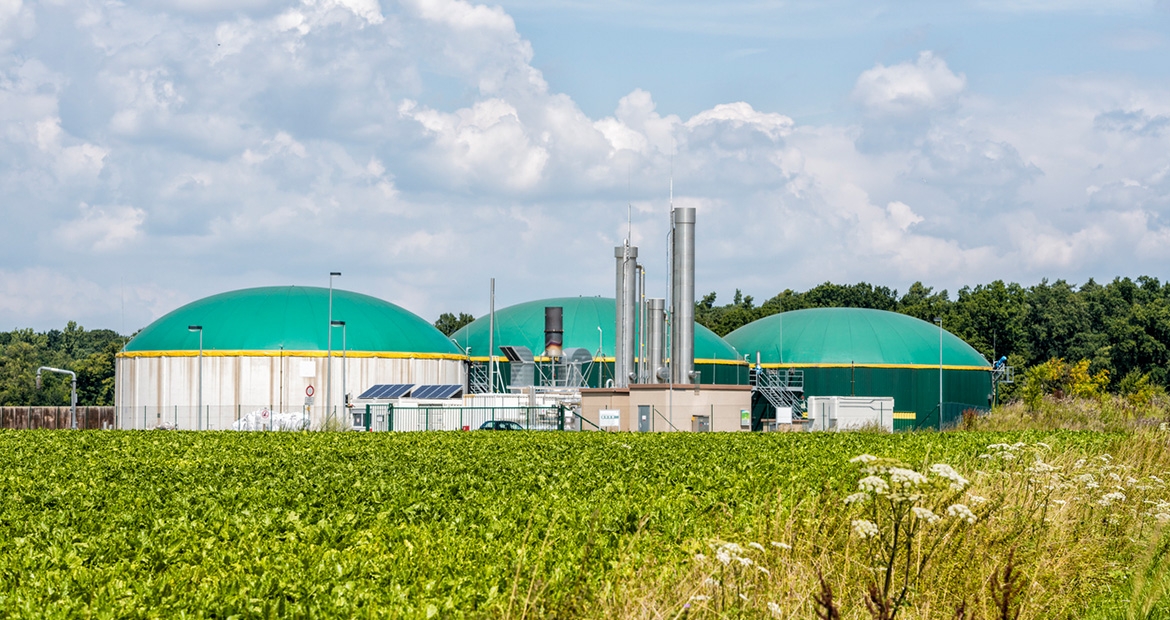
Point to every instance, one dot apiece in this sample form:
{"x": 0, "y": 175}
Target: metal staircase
{"x": 477, "y": 378}
{"x": 782, "y": 387}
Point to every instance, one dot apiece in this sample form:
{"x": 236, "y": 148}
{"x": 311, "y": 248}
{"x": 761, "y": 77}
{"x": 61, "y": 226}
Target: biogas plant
{"x": 292, "y": 358}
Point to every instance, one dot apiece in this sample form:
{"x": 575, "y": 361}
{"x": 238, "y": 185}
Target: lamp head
{"x": 337, "y": 323}
{"x": 194, "y": 328}
{"x": 38, "y": 379}
{"x": 334, "y": 273}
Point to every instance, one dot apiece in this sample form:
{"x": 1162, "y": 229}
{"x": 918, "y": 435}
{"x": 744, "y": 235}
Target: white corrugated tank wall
{"x": 153, "y": 391}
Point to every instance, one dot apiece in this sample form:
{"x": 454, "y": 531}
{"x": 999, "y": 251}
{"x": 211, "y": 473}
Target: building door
{"x": 643, "y": 418}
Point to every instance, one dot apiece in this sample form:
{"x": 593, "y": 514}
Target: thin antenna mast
{"x": 629, "y": 206}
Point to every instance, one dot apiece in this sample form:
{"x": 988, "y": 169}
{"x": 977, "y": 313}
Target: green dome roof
{"x": 523, "y": 325}
{"x": 851, "y": 336}
{"x": 295, "y": 319}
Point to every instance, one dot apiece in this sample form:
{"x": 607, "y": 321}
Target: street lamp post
{"x": 938, "y": 319}
{"x": 72, "y": 392}
{"x": 199, "y": 410}
{"x": 341, "y": 324}
{"x": 329, "y": 349}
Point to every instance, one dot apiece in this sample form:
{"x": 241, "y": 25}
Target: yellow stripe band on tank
{"x": 290, "y": 353}
{"x": 888, "y": 366}
{"x": 905, "y": 415}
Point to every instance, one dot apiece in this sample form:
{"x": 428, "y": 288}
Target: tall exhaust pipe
{"x": 554, "y": 331}
{"x": 656, "y": 342}
{"x": 624, "y": 328}
{"x": 682, "y": 329}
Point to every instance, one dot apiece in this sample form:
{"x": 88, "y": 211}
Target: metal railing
{"x": 220, "y": 417}
{"x": 388, "y": 417}
{"x": 782, "y": 387}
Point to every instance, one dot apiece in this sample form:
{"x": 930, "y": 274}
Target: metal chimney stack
{"x": 656, "y": 328}
{"x": 682, "y": 329}
{"x": 554, "y": 331}
{"x": 625, "y": 330}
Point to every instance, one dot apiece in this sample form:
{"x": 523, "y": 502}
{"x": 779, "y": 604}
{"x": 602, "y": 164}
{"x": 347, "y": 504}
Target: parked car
{"x": 500, "y": 425}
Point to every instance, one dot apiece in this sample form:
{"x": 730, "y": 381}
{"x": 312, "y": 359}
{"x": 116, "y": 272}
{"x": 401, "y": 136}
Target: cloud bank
{"x": 161, "y": 152}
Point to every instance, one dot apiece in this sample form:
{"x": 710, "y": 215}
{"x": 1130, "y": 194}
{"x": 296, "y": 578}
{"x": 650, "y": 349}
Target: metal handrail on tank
{"x": 780, "y": 387}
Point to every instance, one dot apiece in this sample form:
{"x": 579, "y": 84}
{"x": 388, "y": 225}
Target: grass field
{"x": 166, "y": 524}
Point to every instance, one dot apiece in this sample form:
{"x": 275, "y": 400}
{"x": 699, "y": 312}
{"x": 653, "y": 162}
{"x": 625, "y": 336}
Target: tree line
{"x": 1121, "y": 328}
{"x": 89, "y": 353}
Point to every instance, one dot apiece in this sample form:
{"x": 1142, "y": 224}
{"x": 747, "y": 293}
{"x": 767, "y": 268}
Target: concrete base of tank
{"x": 657, "y": 408}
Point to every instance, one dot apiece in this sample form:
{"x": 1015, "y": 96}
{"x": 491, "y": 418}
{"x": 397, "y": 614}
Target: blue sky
{"x": 155, "y": 152}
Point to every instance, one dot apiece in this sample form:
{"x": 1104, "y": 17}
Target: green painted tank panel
{"x": 913, "y": 390}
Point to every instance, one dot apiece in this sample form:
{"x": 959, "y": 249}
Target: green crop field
{"x": 169, "y": 524}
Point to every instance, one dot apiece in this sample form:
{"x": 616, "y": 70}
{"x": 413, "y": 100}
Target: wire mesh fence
{"x": 373, "y": 417}
{"x": 388, "y": 417}
{"x": 225, "y": 417}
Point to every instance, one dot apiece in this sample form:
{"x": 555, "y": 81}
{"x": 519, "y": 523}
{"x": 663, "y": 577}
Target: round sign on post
{"x": 309, "y": 391}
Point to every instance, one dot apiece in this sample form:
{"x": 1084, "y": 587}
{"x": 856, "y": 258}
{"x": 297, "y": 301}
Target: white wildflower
{"x": 723, "y": 556}
{"x": 1087, "y": 480}
{"x": 865, "y": 529}
{"x": 864, "y": 459}
{"x": 977, "y": 499}
{"x": 1009, "y": 456}
{"x": 984, "y": 456}
{"x": 780, "y": 545}
{"x": 1059, "y": 502}
{"x": 699, "y": 557}
{"x": 1040, "y": 467}
{"x": 1162, "y": 517}
{"x": 1106, "y": 457}
{"x": 906, "y": 477}
{"x": 1114, "y": 477}
{"x": 999, "y": 446}
{"x": 711, "y": 582}
{"x": 962, "y": 512}
{"x": 1130, "y": 481}
{"x": 925, "y": 514}
{"x": 1165, "y": 426}
{"x": 857, "y": 498}
{"x": 942, "y": 470}
{"x": 1157, "y": 481}
{"x": 731, "y": 548}
{"x": 757, "y": 546}
{"x": 774, "y": 609}
{"x": 874, "y": 485}
{"x": 1079, "y": 464}
{"x": 1108, "y": 498}
{"x": 743, "y": 561}
{"x": 699, "y": 598}
{"x": 1043, "y": 445}
{"x": 764, "y": 570}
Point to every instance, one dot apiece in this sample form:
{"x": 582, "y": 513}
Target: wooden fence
{"x": 56, "y": 417}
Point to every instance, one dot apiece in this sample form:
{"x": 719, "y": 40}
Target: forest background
{"x": 1116, "y": 334}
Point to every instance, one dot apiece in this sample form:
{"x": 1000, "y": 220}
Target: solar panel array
{"x": 386, "y": 390}
{"x": 436, "y": 391}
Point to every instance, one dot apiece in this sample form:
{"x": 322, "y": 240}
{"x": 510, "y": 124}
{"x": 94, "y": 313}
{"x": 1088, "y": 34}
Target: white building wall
{"x": 153, "y": 391}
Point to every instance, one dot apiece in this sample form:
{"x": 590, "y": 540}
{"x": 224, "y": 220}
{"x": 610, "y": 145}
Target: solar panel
{"x": 436, "y": 391}
{"x": 386, "y": 391}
